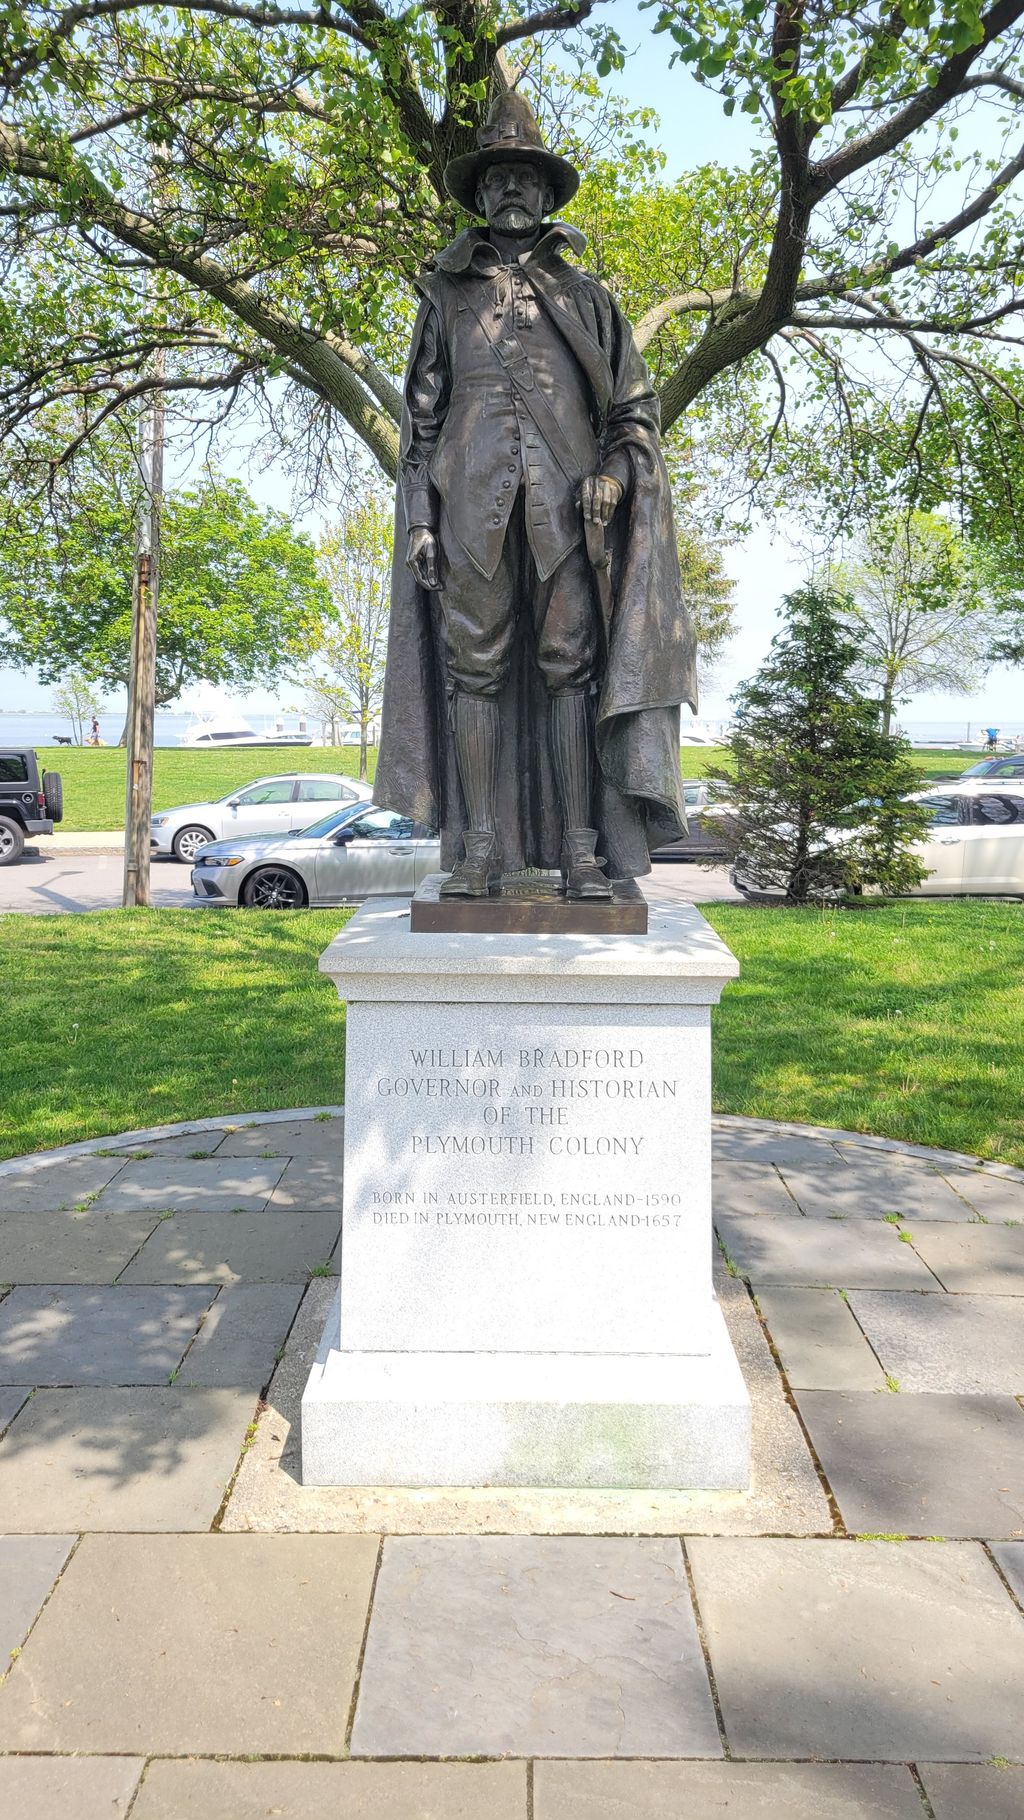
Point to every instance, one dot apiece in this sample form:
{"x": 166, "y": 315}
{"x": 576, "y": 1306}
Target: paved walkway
{"x": 192, "y": 1634}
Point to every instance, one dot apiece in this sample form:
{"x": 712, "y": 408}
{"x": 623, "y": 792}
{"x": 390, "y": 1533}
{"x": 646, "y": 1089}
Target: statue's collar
{"x": 471, "y": 250}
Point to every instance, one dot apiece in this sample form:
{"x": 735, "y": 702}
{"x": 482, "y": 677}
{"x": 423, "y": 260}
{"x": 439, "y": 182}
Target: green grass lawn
{"x": 904, "y": 1019}
{"x": 94, "y": 779}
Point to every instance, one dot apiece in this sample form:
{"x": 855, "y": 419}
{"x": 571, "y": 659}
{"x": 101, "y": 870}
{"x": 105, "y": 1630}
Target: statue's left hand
{"x": 599, "y": 496}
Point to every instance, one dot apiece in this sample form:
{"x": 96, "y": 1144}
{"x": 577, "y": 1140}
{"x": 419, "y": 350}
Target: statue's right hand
{"x": 421, "y": 557}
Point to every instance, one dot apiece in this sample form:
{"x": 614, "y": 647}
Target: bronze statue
{"x": 534, "y": 675}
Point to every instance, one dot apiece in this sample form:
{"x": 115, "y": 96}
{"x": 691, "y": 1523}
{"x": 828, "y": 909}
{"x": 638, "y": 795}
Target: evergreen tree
{"x": 820, "y": 792}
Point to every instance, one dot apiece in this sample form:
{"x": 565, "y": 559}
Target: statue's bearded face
{"x": 514, "y": 197}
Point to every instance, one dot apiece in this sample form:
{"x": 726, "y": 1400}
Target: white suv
{"x": 973, "y": 847}
{"x": 270, "y": 805}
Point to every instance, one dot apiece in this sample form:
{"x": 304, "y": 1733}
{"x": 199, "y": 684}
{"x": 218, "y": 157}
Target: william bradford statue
{"x": 534, "y": 676}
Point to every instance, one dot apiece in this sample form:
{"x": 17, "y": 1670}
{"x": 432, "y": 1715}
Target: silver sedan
{"x": 357, "y": 852}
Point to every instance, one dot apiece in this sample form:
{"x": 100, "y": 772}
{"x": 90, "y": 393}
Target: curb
{"x": 152, "y": 1134}
{"x": 55, "y": 846}
{"x": 722, "y": 1121}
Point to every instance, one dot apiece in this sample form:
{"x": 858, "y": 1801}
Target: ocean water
{"x": 37, "y": 729}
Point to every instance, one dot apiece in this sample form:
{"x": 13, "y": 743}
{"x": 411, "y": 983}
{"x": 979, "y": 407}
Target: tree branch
{"x": 552, "y": 19}
{"x": 922, "y": 107}
{"x": 337, "y": 368}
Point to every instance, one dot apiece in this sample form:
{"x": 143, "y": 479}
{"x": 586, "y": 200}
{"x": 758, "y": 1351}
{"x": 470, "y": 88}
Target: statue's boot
{"x": 477, "y": 735}
{"x": 582, "y": 869}
{"x": 572, "y": 752}
{"x": 476, "y": 875}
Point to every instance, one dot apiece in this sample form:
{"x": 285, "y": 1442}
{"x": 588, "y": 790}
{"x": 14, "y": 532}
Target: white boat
{"x": 228, "y": 732}
{"x": 704, "y": 732}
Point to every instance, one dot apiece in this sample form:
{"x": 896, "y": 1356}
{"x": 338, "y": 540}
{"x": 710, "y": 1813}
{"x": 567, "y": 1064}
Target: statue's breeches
{"x": 481, "y": 617}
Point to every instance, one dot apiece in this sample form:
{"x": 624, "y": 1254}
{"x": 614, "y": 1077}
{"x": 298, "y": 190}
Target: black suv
{"x": 31, "y": 801}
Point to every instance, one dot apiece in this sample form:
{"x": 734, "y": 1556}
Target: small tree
{"x": 820, "y": 792}
{"x": 76, "y": 699}
{"x": 915, "y": 609}
{"x": 708, "y": 593}
{"x": 347, "y": 674}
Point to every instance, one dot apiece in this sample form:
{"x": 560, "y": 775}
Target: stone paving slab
{"x": 862, "y": 1650}
{"x": 261, "y": 1245}
{"x": 959, "y": 1791}
{"x": 81, "y": 1246}
{"x": 11, "y": 1401}
{"x": 239, "y": 1340}
{"x": 73, "y": 1335}
{"x": 332, "y": 1791}
{"x": 144, "y": 1459}
{"x": 986, "y": 1260}
{"x": 73, "y": 1788}
{"x": 1010, "y": 1556}
{"x": 195, "y": 1645}
{"x": 29, "y": 1565}
{"x": 288, "y": 1137}
{"x": 871, "y": 1185}
{"x": 533, "y": 1646}
{"x": 53, "y": 1187}
{"x": 818, "y": 1341}
{"x": 958, "y": 1343}
{"x": 755, "y": 1146}
{"x": 785, "y": 1494}
{"x": 921, "y": 1465}
{"x": 184, "y": 1185}
{"x": 749, "y": 1188}
{"x": 995, "y": 1197}
{"x": 742, "y": 1791}
{"x": 184, "y": 1143}
{"x": 310, "y": 1182}
{"x": 837, "y": 1254}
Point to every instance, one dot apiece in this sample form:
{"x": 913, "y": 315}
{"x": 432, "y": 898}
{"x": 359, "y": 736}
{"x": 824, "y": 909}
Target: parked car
{"x": 269, "y": 805}
{"x": 993, "y": 769}
{"x": 705, "y": 801}
{"x": 358, "y": 852}
{"x": 974, "y": 847}
{"x": 31, "y": 800}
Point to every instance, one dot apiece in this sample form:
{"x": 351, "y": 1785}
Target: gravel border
{"x": 723, "y": 1121}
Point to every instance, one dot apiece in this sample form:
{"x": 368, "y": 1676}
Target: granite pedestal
{"x": 526, "y": 1291}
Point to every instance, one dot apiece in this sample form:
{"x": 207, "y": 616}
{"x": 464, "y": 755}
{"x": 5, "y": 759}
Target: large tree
{"x": 240, "y": 595}
{"x": 250, "y": 183}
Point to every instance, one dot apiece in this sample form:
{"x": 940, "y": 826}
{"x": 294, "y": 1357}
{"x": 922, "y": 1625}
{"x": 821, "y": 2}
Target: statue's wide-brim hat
{"x": 510, "y": 136}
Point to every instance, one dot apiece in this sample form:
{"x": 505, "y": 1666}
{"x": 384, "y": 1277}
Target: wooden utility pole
{"x": 142, "y": 663}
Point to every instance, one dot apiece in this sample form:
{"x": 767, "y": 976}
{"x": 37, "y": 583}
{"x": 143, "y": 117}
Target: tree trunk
{"x": 363, "y": 743}
{"x": 142, "y": 685}
{"x": 887, "y": 705}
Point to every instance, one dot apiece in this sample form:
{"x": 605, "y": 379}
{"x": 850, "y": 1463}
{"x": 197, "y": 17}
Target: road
{"x": 46, "y": 883}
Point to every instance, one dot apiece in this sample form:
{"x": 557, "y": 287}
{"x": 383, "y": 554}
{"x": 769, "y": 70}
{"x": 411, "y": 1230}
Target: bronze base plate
{"x": 532, "y": 903}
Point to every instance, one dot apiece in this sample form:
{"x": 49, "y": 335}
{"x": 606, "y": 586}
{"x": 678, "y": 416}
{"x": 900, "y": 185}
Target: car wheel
{"x": 12, "y": 842}
{"x": 274, "y": 888}
{"x": 187, "y": 842}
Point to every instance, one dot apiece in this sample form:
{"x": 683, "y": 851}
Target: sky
{"x": 764, "y": 565}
